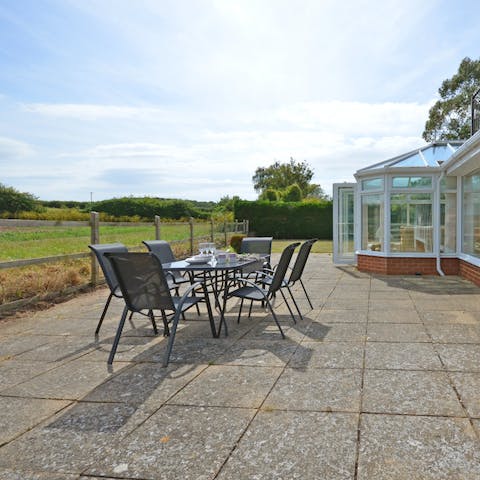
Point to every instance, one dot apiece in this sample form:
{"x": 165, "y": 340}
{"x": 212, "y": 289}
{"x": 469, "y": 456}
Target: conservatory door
{"x": 344, "y": 223}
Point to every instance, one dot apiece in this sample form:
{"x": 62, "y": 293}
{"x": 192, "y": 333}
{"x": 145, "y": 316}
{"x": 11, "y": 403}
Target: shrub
{"x": 289, "y": 220}
{"x": 236, "y": 242}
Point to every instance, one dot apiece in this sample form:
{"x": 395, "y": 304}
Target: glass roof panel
{"x": 432, "y": 155}
{"x": 437, "y": 153}
{"x": 415, "y": 160}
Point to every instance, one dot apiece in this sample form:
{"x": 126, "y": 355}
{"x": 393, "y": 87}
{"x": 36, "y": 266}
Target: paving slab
{"x": 454, "y": 333}
{"x": 397, "y": 332}
{"x": 229, "y": 386}
{"x": 451, "y": 317}
{"x": 410, "y": 393}
{"x": 328, "y": 355}
{"x": 468, "y": 387}
{"x": 21, "y": 414}
{"x": 402, "y": 356}
{"x": 176, "y": 442}
{"x": 460, "y": 357}
{"x": 405, "y": 447}
{"x": 389, "y": 315}
{"x": 253, "y": 351}
{"x": 336, "y": 332}
{"x": 72, "y": 440}
{"x": 322, "y": 390}
{"x": 295, "y": 445}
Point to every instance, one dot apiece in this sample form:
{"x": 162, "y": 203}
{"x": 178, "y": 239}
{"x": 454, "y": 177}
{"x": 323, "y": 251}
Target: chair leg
{"x": 117, "y": 335}
{"x": 166, "y": 329}
{"x": 209, "y": 310}
{"x": 275, "y": 318}
{"x": 152, "y": 319}
{"x": 306, "y": 294}
{"x": 288, "y": 306}
{"x": 295, "y": 303}
{"x": 240, "y": 310}
{"x": 171, "y": 339}
{"x": 105, "y": 308}
{"x": 250, "y": 309}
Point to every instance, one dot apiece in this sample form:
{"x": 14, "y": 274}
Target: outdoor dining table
{"x": 219, "y": 275}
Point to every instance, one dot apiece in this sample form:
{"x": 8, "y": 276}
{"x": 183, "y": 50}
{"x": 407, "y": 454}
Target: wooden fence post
{"x": 191, "y": 235}
{"x": 94, "y": 238}
{"x": 157, "y": 227}
{"x": 212, "y": 234}
{"x": 246, "y": 227}
{"x": 225, "y": 232}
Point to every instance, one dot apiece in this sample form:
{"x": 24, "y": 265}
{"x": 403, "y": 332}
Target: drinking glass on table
{"x": 203, "y": 248}
{"x": 211, "y": 249}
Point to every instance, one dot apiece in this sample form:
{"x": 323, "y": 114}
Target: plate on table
{"x": 198, "y": 259}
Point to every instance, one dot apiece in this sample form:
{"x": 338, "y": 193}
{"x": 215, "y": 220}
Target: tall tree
{"x": 13, "y": 201}
{"x": 280, "y": 176}
{"x": 450, "y": 117}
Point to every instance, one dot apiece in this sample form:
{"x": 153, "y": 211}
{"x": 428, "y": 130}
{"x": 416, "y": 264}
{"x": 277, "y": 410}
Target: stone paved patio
{"x": 380, "y": 381}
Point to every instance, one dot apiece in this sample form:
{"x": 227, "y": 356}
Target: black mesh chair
{"x": 144, "y": 287}
{"x": 260, "y": 245}
{"x": 256, "y": 291}
{"x": 100, "y": 250}
{"x": 163, "y": 251}
{"x": 299, "y": 266}
{"x": 295, "y": 274}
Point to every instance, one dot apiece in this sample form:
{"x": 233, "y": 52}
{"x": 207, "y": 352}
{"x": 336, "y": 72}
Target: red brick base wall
{"x": 411, "y": 266}
{"x": 469, "y": 271}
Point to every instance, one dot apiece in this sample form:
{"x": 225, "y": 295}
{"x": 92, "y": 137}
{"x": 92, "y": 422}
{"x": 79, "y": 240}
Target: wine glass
{"x": 203, "y": 248}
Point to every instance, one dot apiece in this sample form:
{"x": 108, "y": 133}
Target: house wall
{"x": 414, "y": 266}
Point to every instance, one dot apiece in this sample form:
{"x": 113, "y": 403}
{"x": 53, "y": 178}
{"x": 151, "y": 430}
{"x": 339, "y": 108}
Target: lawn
{"x": 321, "y": 246}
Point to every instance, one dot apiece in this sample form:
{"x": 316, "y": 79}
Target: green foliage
{"x": 64, "y": 204}
{"x": 13, "y": 201}
{"x": 292, "y": 194}
{"x": 292, "y": 220}
{"x": 450, "y": 117}
{"x": 280, "y": 176}
{"x": 148, "y": 207}
{"x": 236, "y": 242}
{"x": 270, "y": 195}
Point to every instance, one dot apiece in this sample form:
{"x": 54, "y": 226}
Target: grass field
{"x": 40, "y": 280}
{"x": 22, "y": 243}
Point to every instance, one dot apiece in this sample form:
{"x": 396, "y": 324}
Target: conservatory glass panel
{"x": 471, "y": 214}
{"x": 411, "y": 228}
{"x": 412, "y": 182}
{"x": 448, "y": 215}
{"x": 372, "y": 222}
{"x": 372, "y": 184}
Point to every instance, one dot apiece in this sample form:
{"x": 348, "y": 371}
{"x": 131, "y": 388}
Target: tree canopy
{"x": 13, "y": 201}
{"x": 450, "y": 116}
{"x": 281, "y": 177}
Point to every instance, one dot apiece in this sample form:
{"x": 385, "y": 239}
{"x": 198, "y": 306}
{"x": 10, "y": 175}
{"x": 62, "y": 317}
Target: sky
{"x": 187, "y": 98}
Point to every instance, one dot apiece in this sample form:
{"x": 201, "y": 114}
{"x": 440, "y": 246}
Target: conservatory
{"x": 418, "y": 213}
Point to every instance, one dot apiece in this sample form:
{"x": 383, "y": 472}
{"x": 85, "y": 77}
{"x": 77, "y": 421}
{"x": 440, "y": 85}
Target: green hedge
{"x": 290, "y": 220}
{"x": 148, "y": 207}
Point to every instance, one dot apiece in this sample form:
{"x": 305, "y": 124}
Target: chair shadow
{"x": 110, "y": 405}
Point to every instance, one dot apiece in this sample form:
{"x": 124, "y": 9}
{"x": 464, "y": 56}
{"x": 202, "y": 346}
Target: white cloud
{"x": 11, "y": 149}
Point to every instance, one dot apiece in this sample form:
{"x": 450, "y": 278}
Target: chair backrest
{"x": 256, "y": 245}
{"x": 301, "y": 260}
{"x": 161, "y": 249}
{"x": 100, "y": 249}
{"x": 142, "y": 281}
{"x": 282, "y": 267}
